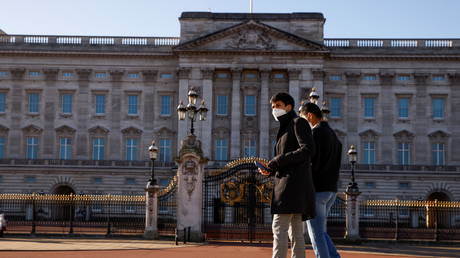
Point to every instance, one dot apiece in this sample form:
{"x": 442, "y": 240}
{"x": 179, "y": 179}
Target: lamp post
{"x": 314, "y": 96}
{"x": 352, "y": 157}
{"x": 325, "y": 110}
{"x": 153, "y": 154}
{"x": 191, "y": 110}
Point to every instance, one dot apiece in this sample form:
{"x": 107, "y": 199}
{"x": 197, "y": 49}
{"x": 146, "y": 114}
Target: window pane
{"x": 369, "y": 107}
{"x": 403, "y": 108}
{"x": 32, "y": 148}
{"x": 2, "y": 102}
{"x": 2, "y": 147}
{"x": 100, "y": 104}
{"x": 165, "y": 105}
{"x": 66, "y": 103}
{"x": 250, "y": 148}
{"x": 250, "y": 105}
{"x": 404, "y": 153}
{"x": 369, "y": 153}
{"x": 34, "y": 99}
{"x": 438, "y": 154}
{"x": 221, "y": 149}
{"x": 65, "y": 150}
{"x": 98, "y": 148}
{"x": 132, "y": 104}
{"x": 165, "y": 150}
{"x": 336, "y": 107}
{"x": 131, "y": 149}
{"x": 222, "y": 104}
{"x": 438, "y": 108}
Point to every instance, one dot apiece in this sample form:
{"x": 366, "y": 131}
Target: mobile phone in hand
{"x": 261, "y": 166}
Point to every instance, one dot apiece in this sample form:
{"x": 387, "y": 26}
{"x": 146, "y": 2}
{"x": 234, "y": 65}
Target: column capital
{"x": 236, "y": 73}
{"x": 353, "y": 77}
{"x": 51, "y": 73}
{"x": 318, "y": 74}
{"x": 184, "y": 72}
{"x": 18, "y": 73}
{"x": 294, "y": 73}
{"x": 83, "y": 74}
{"x": 421, "y": 78}
{"x": 150, "y": 75}
{"x": 116, "y": 75}
{"x": 207, "y": 73}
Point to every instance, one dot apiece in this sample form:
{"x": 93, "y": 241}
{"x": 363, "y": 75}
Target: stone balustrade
{"x": 84, "y": 163}
{"x": 391, "y": 43}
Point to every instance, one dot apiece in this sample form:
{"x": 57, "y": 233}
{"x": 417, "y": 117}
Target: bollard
{"x": 185, "y": 234}
{"x": 176, "y": 236}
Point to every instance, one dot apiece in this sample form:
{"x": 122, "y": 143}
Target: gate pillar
{"x": 190, "y": 187}
{"x": 151, "y": 211}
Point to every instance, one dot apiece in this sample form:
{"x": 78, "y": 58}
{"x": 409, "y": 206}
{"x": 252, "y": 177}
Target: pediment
{"x": 369, "y": 133}
{"x": 4, "y": 129}
{"x": 403, "y": 134}
{"x": 251, "y": 36}
{"x": 438, "y": 134}
{"x": 98, "y": 130}
{"x": 65, "y": 129}
{"x": 131, "y": 131}
{"x": 32, "y": 129}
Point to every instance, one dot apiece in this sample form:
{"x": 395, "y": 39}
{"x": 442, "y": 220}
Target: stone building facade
{"x": 78, "y": 113}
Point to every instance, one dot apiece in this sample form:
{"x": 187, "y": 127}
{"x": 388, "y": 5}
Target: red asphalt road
{"x": 205, "y": 251}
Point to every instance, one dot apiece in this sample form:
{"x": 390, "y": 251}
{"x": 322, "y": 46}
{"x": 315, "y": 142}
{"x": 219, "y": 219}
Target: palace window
{"x": 3, "y": 74}
{"x": 133, "y": 104}
{"x": 2, "y": 102}
{"x": 403, "y": 107}
{"x": 369, "y": 185}
{"x": 133, "y": 75}
{"x": 250, "y": 147}
{"x": 67, "y": 74}
{"x": 221, "y": 149}
{"x": 222, "y": 105}
{"x": 34, "y": 102}
{"x": 369, "y": 152}
{"x": 438, "y": 78}
{"x": 335, "y": 77}
{"x": 438, "y": 108}
{"x": 369, "y": 107}
{"x": 250, "y": 105}
{"x": 98, "y": 148}
{"x": 165, "y": 105}
{"x": 66, "y": 103}
{"x": 166, "y": 76}
{"x": 438, "y": 154}
{"x": 100, "y": 75}
{"x": 370, "y": 77}
{"x": 65, "y": 148}
{"x": 130, "y": 181}
{"x": 404, "y": 153}
{"x": 97, "y": 180}
{"x": 2, "y": 147}
{"x": 132, "y": 149}
{"x": 165, "y": 150}
{"x": 34, "y": 73}
{"x": 32, "y": 147}
{"x": 336, "y": 107}
{"x": 100, "y": 104}
{"x": 30, "y": 179}
{"x": 403, "y": 78}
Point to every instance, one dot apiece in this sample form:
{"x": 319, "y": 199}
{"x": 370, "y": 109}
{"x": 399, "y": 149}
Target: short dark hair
{"x": 308, "y": 107}
{"x": 283, "y": 97}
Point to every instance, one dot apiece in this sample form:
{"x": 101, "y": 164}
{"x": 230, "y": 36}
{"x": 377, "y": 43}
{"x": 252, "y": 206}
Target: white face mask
{"x": 277, "y": 112}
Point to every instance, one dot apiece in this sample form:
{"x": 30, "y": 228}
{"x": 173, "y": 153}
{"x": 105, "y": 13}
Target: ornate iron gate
{"x": 167, "y": 219}
{"x": 236, "y": 203}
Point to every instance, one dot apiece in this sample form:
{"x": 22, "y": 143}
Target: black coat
{"x": 327, "y": 158}
{"x": 293, "y": 191}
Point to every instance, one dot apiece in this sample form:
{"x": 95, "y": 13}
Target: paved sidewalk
{"x": 138, "y": 248}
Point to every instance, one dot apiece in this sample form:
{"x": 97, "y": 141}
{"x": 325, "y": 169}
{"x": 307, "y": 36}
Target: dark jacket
{"x": 327, "y": 158}
{"x": 293, "y": 191}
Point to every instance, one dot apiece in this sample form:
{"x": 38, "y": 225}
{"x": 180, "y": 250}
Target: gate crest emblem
{"x": 231, "y": 192}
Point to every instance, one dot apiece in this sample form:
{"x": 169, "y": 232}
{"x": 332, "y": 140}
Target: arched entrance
{"x": 63, "y": 190}
{"x": 63, "y": 209}
{"x": 437, "y": 216}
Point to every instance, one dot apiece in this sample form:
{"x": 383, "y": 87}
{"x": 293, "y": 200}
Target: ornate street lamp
{"x": 325, "y": 110}
{"x": 191, "y": 110}
{"x": 314, "y": 96}
{"x": 352, "y": 157}
{"x": 153, "y": 153}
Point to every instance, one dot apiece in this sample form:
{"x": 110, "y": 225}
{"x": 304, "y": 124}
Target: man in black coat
{"x": 293, "y": 196}
{"x": 326, "y": 167}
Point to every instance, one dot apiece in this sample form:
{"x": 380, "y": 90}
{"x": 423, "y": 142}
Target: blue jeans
{"x": 317, "y": 227}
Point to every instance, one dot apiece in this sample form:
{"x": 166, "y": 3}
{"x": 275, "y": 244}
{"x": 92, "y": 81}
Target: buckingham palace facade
{"x": 77, "y": 113}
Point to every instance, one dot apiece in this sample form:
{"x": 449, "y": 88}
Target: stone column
{"x": 190, "y": 174}
{"x": 352, "y": 216}
{"x": 235, "y": 133}
{"x": 116, "y": 116}
{"x": 294, "y": 86}
{"x": 207, "y": 76}
{"x": 386, "y": 98}
{"x": 264, "y": 116}
{"x": 50, "y": 96}
{"x": 353, "y": 109}
{"x": 149, "y": 97}
{"x": 17, "y": 99}
{"x": 421, "y": 121}
{"x": 151, "y": 211}
{"x": 82, "y": 99}
{"x": 183, "y": 74}
{"x": 454, "y": 126}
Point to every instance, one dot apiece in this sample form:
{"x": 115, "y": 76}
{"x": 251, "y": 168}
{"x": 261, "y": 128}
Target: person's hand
{"x": 263, "y": 171}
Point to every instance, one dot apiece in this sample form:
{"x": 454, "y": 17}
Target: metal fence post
{"x": 33, "y": 215}
{"x": 436, "y": 227}
{"x": 109, "y": 208}
{"x": 72, "y": 209}
{"x": 397, "y": 220}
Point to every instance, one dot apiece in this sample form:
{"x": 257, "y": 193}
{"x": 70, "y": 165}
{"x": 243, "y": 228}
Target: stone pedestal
{"x": 352, "y": 215}
{"x": 151, "y": 211}
{"x": 190, "y": 187}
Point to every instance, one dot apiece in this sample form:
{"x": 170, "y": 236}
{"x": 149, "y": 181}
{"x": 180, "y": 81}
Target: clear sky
{"x": 344, "y": 18}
